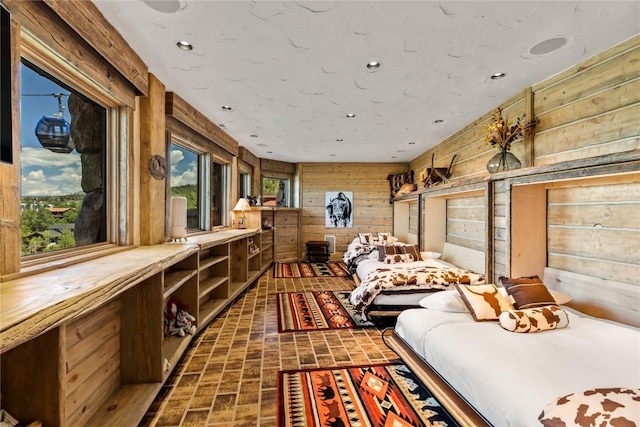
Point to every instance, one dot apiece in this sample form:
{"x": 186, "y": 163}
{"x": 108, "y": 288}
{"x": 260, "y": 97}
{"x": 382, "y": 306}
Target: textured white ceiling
{"x": 293, "y": 70}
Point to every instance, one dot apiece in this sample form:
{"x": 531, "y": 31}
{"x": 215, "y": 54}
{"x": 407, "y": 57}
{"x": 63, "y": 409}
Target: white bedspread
{"x": 509, "y": 377}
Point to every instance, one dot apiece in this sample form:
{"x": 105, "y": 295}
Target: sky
{"x": 45, "y": 173}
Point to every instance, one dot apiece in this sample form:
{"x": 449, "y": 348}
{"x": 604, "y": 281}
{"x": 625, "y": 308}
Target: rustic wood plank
{"x": 625, "y": 216}
{"x": 91, "y": 341}
{"x": 182, "y": 111}
{"x": 626, "y": 273}
{"x": 596, "y": 296}
{"x": 85, "y": 18}
{"x": 595, "y": 243}
{"x": 87, "y": 375}
{"x": 40, "y": 22}
{"x": 10, "y": 197}
{"x": 91, "y": 402}
{"x": 26, "y": 373}
{"x": 36, "y": 304}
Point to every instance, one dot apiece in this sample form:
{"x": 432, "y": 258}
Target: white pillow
{"x": 374, "y": 254}
{"x": 448, "y": 301}
{"x": 430, "y": 255}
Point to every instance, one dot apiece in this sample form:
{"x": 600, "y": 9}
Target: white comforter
{"x": 509, "y": 377}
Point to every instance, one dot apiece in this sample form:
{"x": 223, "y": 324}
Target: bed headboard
{"x": 597, "y": 297}
{"x": 463, "y": 257}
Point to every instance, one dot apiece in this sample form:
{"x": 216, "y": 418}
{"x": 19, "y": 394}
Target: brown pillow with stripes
{"x": 527, "y": 292}
{"x": 383, "y": 251}
{"x": 413, "y": 250}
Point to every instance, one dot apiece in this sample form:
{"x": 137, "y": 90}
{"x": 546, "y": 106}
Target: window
{"x": 188, "y": 169}
{"x": 63, "y": 158}
{"x": 245, "y": 184}
{"x": 220, "y": 180}
{"x": 271, "y": 187}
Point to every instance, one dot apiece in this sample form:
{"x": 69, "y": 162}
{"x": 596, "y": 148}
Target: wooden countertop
{"x": 32, "y": 305}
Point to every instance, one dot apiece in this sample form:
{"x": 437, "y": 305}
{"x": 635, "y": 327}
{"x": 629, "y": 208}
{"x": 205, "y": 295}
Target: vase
{"x": 503, "y": 161}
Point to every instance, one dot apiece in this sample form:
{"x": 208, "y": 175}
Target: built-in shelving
{"x": 96, "y": 375}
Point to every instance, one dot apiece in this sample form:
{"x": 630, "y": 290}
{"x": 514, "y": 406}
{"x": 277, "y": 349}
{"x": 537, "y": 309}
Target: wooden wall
{"x": 466, "y": 221}
{"x": 593, "y": 227}
{"x": 372, "y": 211}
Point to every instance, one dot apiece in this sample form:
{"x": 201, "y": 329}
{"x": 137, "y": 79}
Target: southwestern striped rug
{"x": 311, "y": 311}
{"x": 374, "y": 395}
{"x": 290, "y": 270}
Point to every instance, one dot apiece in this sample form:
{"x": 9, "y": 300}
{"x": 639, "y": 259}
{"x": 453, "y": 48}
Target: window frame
{"x": 117, "y": 176}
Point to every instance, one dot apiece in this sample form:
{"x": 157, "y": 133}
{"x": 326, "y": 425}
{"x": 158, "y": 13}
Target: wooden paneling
{"x": 466, "y": 221}
{"x": 287, "y": 234}
{"x": 372, "y": 211}
{"x": 268, "y": 165}
{"x": 88, "y": 22}
{"x": 10, "y": 235}
{"x": 92, "y": 362}
{"x": 179, "y": 109}
{"x": 590, "y": 110}
{"x": 42, "y": 23}
{"x": 593, "y": 228}
{"x": 152, "y": 142}
{"x": 469, "y": 148}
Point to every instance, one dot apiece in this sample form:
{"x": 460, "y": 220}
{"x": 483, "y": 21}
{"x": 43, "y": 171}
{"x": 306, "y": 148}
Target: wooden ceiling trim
{"x": 86, "y": 20}
{"x": 45, "y": 38}
{"x": 182, "y": 111}
{"x": 248, "y": 157}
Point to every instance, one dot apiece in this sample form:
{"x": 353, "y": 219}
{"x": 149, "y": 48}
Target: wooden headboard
{"x": 463, "y": 257}
{"x": 597, "y": 297}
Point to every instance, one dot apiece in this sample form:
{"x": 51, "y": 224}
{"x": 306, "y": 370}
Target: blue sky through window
{"x": 44, "y": 173}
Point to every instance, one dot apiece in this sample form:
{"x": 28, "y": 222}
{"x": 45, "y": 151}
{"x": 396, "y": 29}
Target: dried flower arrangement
{"x": 500, "y": 133}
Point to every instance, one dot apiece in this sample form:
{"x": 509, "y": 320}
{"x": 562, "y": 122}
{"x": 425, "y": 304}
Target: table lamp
{"x": 242, "y": 206}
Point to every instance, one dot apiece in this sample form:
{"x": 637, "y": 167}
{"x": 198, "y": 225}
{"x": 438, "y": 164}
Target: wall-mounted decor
{"x": 500, "y": 133}
{"x": 397, "y": 180}
{"x": 339, "y": 209}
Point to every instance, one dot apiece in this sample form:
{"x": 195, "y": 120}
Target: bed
{"x": 387, "y": 289}
{"x": 492, "y": 376}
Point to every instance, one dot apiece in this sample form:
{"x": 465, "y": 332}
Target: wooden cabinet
{"x": 84, "y": 345}
{"x": 282, "y": 242}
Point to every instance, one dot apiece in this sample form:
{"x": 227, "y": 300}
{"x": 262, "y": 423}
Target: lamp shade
{"x": 178, "y": 218}
{"x": 242, "y": 205}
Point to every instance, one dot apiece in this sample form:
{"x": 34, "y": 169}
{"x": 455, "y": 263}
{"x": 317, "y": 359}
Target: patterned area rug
{"x": 288, "y": 270}
{"x": 310, "y": 311}
{"x": 378, "y": 395}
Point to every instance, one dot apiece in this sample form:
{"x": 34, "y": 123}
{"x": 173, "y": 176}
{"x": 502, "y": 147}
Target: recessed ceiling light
{"x": 438, "y": 121}
{"x": 412, "y": 143}
{"x": 269, "y": 152}
{"x": 351, "y": 115}
{"x": 373, "y": 65}
{"x": 261, "y": 145}
{"x": 394, "y": 157}
{"x": 548, "y": 46}
{"x": 184, "y": 45}
{"x": 164, "y": 6}
{"x": 339, "y": 139}
{"x": 226, "y": 108}
{"x": 221, "y": 125}
{"x": 498, "y": 76}
{"x": 332, "y": 155}
{"x": 253, "y": 135}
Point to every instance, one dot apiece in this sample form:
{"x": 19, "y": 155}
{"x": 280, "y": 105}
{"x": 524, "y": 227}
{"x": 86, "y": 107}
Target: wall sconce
{"x": 241, "y": 206}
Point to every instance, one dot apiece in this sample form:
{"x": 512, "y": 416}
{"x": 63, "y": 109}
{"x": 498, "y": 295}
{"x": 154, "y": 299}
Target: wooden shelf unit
{"x": 84, "y": 345}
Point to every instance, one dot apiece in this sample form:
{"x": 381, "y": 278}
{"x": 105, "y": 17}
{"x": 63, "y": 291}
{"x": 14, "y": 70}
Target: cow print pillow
{"x": 398, "y": 258}
{"x": 598, "y": 407}
{"x": 534, "y": 319}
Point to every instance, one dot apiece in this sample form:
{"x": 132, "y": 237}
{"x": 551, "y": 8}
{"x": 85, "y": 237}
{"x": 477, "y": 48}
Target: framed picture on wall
{"x": 338, "y": 209}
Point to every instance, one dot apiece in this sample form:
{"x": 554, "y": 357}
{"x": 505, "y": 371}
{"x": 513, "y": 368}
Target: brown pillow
{"x": 484, "y": 302}
{"x": 383, "y": 251}
{"x": 527, "y": 292}
{"x": 413, "y": 250}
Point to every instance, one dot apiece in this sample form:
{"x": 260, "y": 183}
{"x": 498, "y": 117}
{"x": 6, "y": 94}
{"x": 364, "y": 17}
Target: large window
{"x": 188, "y": 169}
{"x": 63, "y": 165}
{"x": 245, "y": 184}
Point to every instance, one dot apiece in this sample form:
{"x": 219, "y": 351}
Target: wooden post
{"x": 152, "y": 142}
